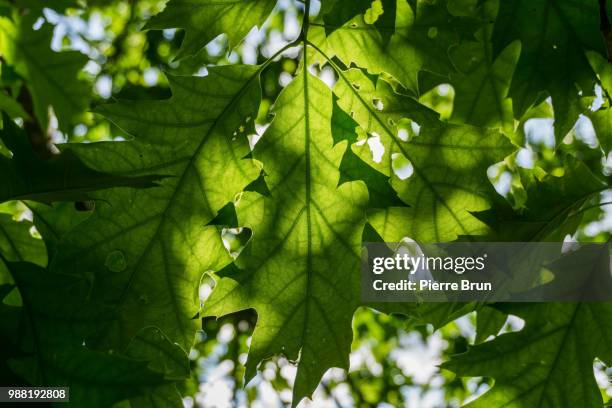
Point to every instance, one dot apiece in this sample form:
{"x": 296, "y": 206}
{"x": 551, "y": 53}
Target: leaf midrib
{"x": 307, "y": 177}
{"x": 179, "y": 185}
{"x": 181, "y": 180}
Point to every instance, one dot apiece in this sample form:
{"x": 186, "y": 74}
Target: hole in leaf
{"x": 603, "y": 375}
{"x": 235, "y": 239}
{"x": 401, "y": 166}
{"x": 206, "y": 287}
{"x": 378, "y": 104}
{"x": 34, "y": 232}
{"x": 513, "y": 324}
{"x": 84, "y": 205}
{"x": 408, "y": 129}
{"x": 376, "y": 147}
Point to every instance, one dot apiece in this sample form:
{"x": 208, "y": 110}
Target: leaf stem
{"x": 268, "y": 61}
{"x": 305, "y": 24}
{"x": 585, "y": 209}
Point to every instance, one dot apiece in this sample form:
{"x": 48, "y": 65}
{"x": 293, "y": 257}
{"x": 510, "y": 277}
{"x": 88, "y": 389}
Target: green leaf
{"x": 51, "y": 77}
{"x": 57, "y": 321}
{"x": 449, "y": 178}
{"x": 554, "y": 37}
{"x": 481, "y": 92}
{"x": 380, "y": 13}
{"x": 56, "y": 310}
{"x": 163, "y": 396}
{"x": 602, "y": 123}
{"x": 482, "y": 82}
{"x": 197, "y": 138}
{"x": 536, "y": 366}
{"x": 489, "y": 322}
{"x": 300, "y": 271}
{"x": 203, "y": 20}
{"x": 559, "y": 342}
{"x": 439, "y": 314}
{"x": 449, "y": 162}
{"x": 384, "y": 223}
{"x": 602, "y": 118}
{"x": 63, "y": 177}
{"x": 353, "y": 168}
{"x": 54, "y": 221}
{"x": 164, "y": 356}
{"x": 551, "y": 209}
{"x": 17, "y": 242}
{"x": 95, "y": 379}
{"x": 12, "y": 108}
{"x": 423, "y": 34}
{"x": 9, "y": 315}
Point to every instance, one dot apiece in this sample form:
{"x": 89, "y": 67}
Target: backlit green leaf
{"x": 436, "y": 168}
{"x": 532, "y": 367}
{"x": 197, "y": 139}
{"x": 423, "y": 34}
{"x": 300, "y": 269}
{"x": 554, "y": 36}
{"x": 52, "y": 77}
{"x": 60, "y": 178}
{"x": 203, "y": 20}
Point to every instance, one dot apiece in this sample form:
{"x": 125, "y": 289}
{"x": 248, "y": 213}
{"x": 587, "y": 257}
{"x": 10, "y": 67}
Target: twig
{"x": 605, "y": 27}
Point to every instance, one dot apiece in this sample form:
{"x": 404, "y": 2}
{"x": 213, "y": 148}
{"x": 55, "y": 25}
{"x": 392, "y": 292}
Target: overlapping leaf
{"x": 203, "y": 20}
{"x": 380, "y": 13}
{"x": 62, "y": 177}
{"x": 353, "y": 168}
{"x": 140, "y": 255}
{"x": 54, "y": 326}
{"x": 18, "y": 244}
{"x": 448, "y": 162}
{"x": 300, "y": 269}
{"x": 489, "y": 323}
{"x": 602, "y": 118}
{"x": 423, "y": 31}
{"x": 148, "y": 249}
{"x": 532, "y": 367}
{"x": 482, "y": 81}
{"x": 552, "y": 208}
{"x": 52, "y": 77}
{"x": 555, "y": 36}
{"x": 547, "y": 364}
{"x": 54, "y": 221}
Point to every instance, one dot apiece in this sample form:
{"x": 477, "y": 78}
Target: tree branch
{"x": 605, "y": 27}
{"x": 39, "y": 139}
